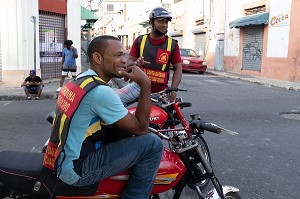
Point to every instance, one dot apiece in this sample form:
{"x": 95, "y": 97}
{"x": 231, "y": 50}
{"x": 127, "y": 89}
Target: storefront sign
{"x": 279, "y": 28}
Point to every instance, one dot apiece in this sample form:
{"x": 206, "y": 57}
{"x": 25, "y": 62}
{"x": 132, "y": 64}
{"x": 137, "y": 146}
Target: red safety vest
{"x": 68, "y": 101}
{"x": 160, "y": 57}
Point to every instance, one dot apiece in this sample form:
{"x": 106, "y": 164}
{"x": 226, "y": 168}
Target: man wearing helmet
{"x": 159, "y": 52}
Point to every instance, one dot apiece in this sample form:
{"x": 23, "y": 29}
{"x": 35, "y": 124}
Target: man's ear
{"x": 97, "y": 58}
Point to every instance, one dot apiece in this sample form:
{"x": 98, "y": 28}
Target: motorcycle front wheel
{"x": 233, "y": 195}
{"x": 199, "y": 171}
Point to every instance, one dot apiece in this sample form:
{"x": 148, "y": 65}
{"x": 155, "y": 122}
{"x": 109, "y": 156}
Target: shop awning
{"x": 251, "y": 20}
{"x": 88, "y": 15}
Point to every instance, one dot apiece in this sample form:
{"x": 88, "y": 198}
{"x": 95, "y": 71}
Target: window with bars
{"x": 51, "y": 36}
{"x": 255, "y": 10}
{"x": 110, "y": 7}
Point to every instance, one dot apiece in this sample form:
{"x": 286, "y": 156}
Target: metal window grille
{"x": 0, "y": 61}
{"x": 52, "y": 36}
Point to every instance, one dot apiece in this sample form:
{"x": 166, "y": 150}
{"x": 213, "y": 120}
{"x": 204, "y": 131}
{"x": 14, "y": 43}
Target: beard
{"x": 156, "y": 31}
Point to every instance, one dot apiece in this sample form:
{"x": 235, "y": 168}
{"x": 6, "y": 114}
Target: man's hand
{"x": 172, "y": 96}
{"x": 141, "y": 62}
{"x": 134, "y": 73}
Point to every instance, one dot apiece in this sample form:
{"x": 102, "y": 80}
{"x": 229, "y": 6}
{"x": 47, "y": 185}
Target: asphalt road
{"x": 262, "y": 160}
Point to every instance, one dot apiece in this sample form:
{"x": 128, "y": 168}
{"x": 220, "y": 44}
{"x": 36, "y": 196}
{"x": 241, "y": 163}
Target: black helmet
{"x": 159, "y": 12}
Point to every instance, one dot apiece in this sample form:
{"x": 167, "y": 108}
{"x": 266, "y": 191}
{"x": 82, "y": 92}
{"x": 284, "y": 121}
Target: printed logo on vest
{"x": 162, "y": 56}
{"x": 69, "y": 94}
{"x": 156, "y": 76}
{"x": 50, "y": 156}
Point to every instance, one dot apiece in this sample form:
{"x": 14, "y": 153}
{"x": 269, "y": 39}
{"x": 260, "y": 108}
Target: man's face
{"x": 161, "y": 24}
{"x": 114, "y": 60}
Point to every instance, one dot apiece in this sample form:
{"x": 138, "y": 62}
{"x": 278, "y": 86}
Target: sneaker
{"x": 57, "y": 90}
{"x": 29, "y": 98}
{"x": 37, "y": 98}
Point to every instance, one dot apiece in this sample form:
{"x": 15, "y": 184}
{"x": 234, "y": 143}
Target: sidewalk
{"x": 49, "y": 91}
{"x": 17, "y": 93}
{"x": 259, "y": 80}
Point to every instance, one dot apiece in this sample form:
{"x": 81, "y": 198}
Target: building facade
{"x": 32, "y": 36}
{"x": 257, "y": 37}
{"x": 262, "y": 38}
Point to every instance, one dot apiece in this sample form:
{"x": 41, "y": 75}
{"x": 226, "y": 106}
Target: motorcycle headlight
{"x": 186, "y": 61}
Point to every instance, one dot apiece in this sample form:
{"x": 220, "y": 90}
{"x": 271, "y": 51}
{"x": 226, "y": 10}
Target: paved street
{"x": 262, "y": 160}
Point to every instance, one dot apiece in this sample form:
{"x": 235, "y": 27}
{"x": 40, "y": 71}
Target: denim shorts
{"x": 33, "y": 89}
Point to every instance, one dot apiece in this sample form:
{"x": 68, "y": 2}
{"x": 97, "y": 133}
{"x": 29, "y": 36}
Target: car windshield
{"x": 187, "y": 52}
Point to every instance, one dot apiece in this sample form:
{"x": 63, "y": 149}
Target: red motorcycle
{"x": 185, "y": 162}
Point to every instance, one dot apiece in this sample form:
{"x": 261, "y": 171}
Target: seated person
{"x": 33, "y": 85}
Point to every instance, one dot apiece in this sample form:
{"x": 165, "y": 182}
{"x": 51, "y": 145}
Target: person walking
{"x": 69, "y": 56}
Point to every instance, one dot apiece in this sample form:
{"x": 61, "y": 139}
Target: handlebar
{"x": 169, "y": 89}
{"x": 202, "y": 125}
{"x": 162, "y": 97}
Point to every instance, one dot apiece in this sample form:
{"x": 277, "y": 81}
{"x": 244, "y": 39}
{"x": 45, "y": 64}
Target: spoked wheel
{"x": 219, "y": 189}
{"x": 232, "y": 195}
{"x": 199, "y": 171}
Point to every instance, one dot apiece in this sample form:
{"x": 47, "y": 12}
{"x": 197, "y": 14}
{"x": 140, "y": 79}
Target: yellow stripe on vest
{"x": 61, "y": 127}
{"x": 143, "y": 45}
{"x": 168, "y": 49}
{"x": 86, "y": 82}
{"x": 54, "y": 117}
{"x": 89, "y": 80}
{"x": 98, "y": 78}
{"x": 93, "y": 129}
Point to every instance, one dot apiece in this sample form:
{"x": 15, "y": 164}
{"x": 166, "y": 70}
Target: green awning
{"x": 88, "y": 15}
{"x": 251, "y": 20}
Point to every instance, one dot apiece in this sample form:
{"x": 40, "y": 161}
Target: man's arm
{"x": 138, "y": 124}
{"x": 40, "y": 82}
{"x": 75, "y": 53}
{"x": 62, "y": 61}
{"x": 24, "y": 84}
{"x": 177, "y": 75}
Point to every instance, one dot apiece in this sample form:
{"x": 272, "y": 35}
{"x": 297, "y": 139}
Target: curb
{"x": 45, "y": 96}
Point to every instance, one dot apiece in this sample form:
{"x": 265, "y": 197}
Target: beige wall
{"x": 17, "y": 38}
{"x": 287, "y": 69}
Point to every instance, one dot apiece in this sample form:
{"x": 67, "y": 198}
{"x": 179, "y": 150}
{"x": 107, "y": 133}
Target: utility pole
{"x": 89, "y": 5}
{"x": 220, "y": 32}
{"x": 33, "y": 19}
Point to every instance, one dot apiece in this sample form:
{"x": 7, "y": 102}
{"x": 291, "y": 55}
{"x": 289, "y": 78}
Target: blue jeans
{"x": 140, "y": 153}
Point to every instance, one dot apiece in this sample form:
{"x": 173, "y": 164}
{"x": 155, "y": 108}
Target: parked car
{"x": 191, "y": 61}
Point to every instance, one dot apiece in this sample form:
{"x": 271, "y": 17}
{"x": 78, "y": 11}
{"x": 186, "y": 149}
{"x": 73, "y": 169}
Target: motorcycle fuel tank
{"x": 157, "y": 115}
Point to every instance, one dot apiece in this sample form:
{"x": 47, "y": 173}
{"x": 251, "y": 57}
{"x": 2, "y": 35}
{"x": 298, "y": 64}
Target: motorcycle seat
{"x": 21, "y": 170}
{"x": 21, "y": 163}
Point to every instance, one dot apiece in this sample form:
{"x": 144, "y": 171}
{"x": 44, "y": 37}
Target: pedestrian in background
{"x": 69, "y": 56}
{"x": 33, "y": 85}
